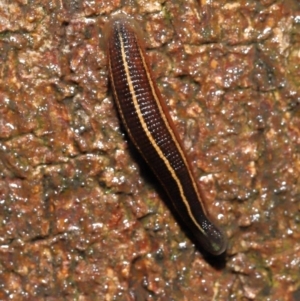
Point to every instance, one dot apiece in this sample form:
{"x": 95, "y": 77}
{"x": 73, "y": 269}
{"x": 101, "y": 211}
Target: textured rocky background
{"x": 81, "y": 218}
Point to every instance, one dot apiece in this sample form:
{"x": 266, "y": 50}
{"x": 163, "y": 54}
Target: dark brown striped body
{"x": 151, "y": 129}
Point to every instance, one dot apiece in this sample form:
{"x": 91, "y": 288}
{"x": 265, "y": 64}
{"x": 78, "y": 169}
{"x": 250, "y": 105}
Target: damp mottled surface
{"x": 81, "y": 218}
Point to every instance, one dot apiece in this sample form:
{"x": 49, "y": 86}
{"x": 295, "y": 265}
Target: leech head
{"x": 118, "y": 24}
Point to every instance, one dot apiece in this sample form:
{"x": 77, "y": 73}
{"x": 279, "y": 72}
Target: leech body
{"x": 149, "y": 125}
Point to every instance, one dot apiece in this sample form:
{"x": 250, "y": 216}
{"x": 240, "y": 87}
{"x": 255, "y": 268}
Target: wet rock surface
{"x": 81, "y": 216}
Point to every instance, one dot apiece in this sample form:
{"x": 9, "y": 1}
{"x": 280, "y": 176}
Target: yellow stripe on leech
{"x": 178, "y": 146}
{"x": 149, "y": 135}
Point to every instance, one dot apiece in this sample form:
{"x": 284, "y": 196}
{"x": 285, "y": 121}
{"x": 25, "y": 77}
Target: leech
{"x": 149, "y": 125}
